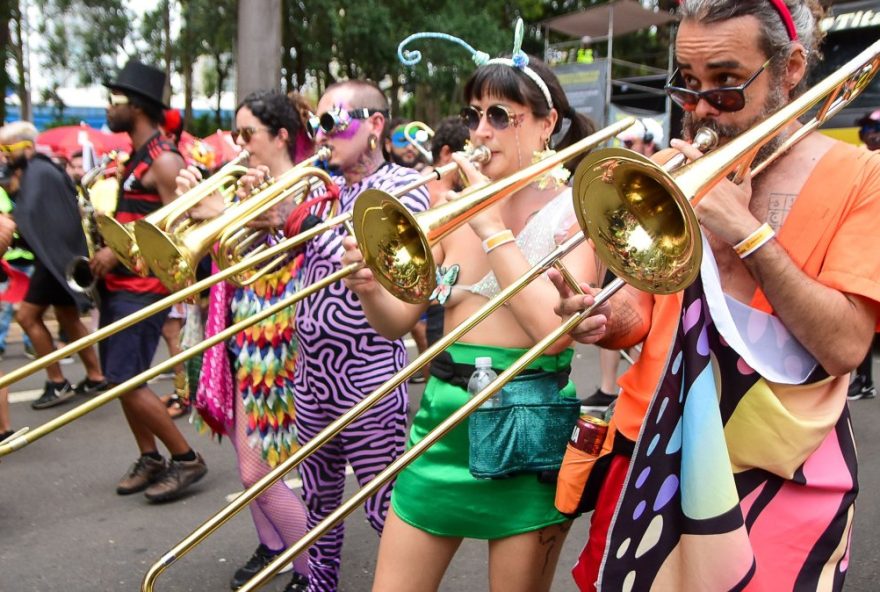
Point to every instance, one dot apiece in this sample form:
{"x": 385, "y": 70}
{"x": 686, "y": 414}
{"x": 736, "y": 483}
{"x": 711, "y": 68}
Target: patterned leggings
{"x": 369, "y": 445}
{"x": 279, "y": 513}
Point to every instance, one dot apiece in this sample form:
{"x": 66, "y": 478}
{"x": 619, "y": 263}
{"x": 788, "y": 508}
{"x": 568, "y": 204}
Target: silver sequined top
{"x": 541, "y": 234}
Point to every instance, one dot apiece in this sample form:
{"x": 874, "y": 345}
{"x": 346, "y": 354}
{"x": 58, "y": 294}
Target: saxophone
{"x": 78, "y": 273}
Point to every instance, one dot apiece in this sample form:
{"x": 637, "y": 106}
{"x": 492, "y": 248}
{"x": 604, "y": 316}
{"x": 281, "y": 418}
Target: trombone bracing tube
{"x": 352, "y": 414}
{"x": 433, "y": 436}
{"x": 22, "y": 439}
{"x": 19, "y": 441}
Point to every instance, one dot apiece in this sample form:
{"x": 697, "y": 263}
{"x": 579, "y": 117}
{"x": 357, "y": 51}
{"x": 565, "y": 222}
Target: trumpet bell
{"x": 640, "y": 222}
{"x": 394, "y": 246}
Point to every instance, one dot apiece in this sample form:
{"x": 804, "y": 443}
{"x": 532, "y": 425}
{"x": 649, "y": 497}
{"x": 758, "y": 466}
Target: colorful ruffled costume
{"x": 258, "y": 363}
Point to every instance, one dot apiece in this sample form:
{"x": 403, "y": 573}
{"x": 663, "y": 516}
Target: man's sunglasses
{"x": 16, "y": 147}
{"x": 726, "y": 98}
{"x": 337, "y": 120}
{"x": 870, "y": 128}
{"x": 246, "y": 133}
{"x": 398, "y": 139}
{"x": 498, "y": 116}
{"x": 115, "y": 99}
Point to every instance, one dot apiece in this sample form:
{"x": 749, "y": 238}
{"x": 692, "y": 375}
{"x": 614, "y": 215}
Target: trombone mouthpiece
{"x": 323, "y": 153}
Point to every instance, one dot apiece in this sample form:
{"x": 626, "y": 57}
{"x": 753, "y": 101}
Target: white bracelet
{"x": 496, "y": 240}
{"x": 754, "y": 241}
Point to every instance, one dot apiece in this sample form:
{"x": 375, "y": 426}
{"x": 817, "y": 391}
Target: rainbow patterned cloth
{"x": 264, "y": 358}
{"x": 739, "y": 481}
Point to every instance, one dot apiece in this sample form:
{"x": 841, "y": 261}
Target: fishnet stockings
{"x": 279, "y": 513}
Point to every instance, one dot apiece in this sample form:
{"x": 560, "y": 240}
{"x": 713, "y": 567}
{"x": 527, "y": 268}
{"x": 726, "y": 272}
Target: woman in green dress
{"x": 513, "y": 107}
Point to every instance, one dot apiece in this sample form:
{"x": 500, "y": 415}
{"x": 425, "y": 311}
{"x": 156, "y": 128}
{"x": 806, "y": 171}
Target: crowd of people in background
{"x": 280, "y": 384}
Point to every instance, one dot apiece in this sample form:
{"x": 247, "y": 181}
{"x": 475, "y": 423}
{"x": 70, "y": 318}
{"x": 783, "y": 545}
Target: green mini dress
{"x": 437, "y": 494}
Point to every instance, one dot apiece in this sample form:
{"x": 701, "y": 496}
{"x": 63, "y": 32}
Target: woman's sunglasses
{"x": 726, "y": 98}
{"x": 498, "y": 116}
{"x": 246, "y": 133}
{"x": 337, "y": 120}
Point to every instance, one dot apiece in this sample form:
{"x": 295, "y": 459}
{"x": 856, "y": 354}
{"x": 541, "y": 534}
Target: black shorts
{"x": 45, "y": 290}
{"x": 130, "y": 351}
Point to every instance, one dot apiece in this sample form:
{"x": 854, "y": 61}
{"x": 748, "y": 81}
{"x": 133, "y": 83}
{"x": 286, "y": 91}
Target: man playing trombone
{"x": 341, "y": 357}
{"x": 135, "y": 107}
{"x": 730, "y": 462}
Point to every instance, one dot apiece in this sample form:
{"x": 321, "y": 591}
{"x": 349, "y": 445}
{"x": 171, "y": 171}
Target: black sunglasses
{"x": 498, "y": 116}
{"x": 337, "y": 120}
{"x": 246, "y": 133}
{"x": 726, "y": 98}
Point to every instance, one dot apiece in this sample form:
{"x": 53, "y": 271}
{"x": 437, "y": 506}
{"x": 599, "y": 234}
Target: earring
{"x": 373, "y": 142}
{"x": 556, "y": 177}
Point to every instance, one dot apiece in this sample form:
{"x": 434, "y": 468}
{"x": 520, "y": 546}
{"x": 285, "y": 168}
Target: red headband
{"x": 785, "y": 15}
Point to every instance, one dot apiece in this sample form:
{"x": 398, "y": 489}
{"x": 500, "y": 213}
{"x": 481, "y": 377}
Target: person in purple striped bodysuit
{"x": 341, "y": 358}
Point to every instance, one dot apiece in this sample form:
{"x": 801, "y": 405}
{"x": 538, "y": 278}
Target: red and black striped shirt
{"x": 136, "y": 201}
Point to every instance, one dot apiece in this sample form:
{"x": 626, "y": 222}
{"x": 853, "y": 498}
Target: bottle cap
{"x": 483, "y": 362}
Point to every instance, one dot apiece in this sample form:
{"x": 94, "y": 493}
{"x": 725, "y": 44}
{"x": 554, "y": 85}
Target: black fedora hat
{"x": 142, "y": 80}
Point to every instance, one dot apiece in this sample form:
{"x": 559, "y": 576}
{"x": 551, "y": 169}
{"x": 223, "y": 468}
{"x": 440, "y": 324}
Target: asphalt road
{"x": 62, "y": 527}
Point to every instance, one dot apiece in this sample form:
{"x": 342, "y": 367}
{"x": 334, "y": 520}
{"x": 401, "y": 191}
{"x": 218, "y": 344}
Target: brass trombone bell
{"x": 397, "y": 243}
{"x": 636, "y": 228}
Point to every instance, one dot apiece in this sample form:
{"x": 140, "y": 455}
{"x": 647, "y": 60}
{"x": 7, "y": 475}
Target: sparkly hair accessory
{"x": 518, "y": 59}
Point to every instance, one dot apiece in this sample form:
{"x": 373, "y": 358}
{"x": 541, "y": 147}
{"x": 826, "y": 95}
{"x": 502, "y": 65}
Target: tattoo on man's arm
{"x": 625, "y": 319}
{"x": 778, "y": 208}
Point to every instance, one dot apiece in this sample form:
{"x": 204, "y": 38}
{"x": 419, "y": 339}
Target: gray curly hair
{"x": 806, "y": 15}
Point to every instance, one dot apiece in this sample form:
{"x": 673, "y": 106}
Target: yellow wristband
{"x": 754, "y": 241}
{"x": 498, "y": 239}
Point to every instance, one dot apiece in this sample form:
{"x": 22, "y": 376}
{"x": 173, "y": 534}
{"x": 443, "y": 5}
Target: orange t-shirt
{"x": 831, "y": 234}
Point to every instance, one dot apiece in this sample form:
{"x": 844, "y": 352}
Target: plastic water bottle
{"x": 480, "y": 379}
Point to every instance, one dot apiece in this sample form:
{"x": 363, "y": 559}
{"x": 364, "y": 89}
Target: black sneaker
{"x": 859, "y": 390}
{"x": 55, "y": 393}
{"x": 598, "y": 401}
{"x": 262, "y": 557}
{"x": 90, "y": 387}
{"x": 298, "y": 583}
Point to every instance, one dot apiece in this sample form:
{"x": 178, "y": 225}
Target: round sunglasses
{"x": 498, "y": 116}
{"x": 727, "y": 99}
{"x": 246, "y": 133}
{"x": 337, "y": 120}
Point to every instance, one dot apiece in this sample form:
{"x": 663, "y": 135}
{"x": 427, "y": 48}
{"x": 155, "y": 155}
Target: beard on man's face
{"x": 775, "y": 100}
{"x": 120, "y": 123}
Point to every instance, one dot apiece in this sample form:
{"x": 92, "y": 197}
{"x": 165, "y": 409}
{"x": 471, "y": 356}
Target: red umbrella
{"x": 196, "y": 151}
{"x": 224, "y": 148}
{"x": 67, "y": 139}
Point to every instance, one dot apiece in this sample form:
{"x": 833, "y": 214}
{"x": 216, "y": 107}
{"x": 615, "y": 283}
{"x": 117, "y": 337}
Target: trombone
{"x": 25, "y": 436}
{"x": 121, "y": 238}
{"x": 617, "y": 193}
{"x": 475, "y": 200}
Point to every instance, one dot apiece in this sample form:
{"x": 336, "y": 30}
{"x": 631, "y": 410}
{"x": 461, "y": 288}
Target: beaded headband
{"x": 518, "y": 59}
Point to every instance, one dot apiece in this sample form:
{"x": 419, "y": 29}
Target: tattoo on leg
{"x": 548, "y": 537}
